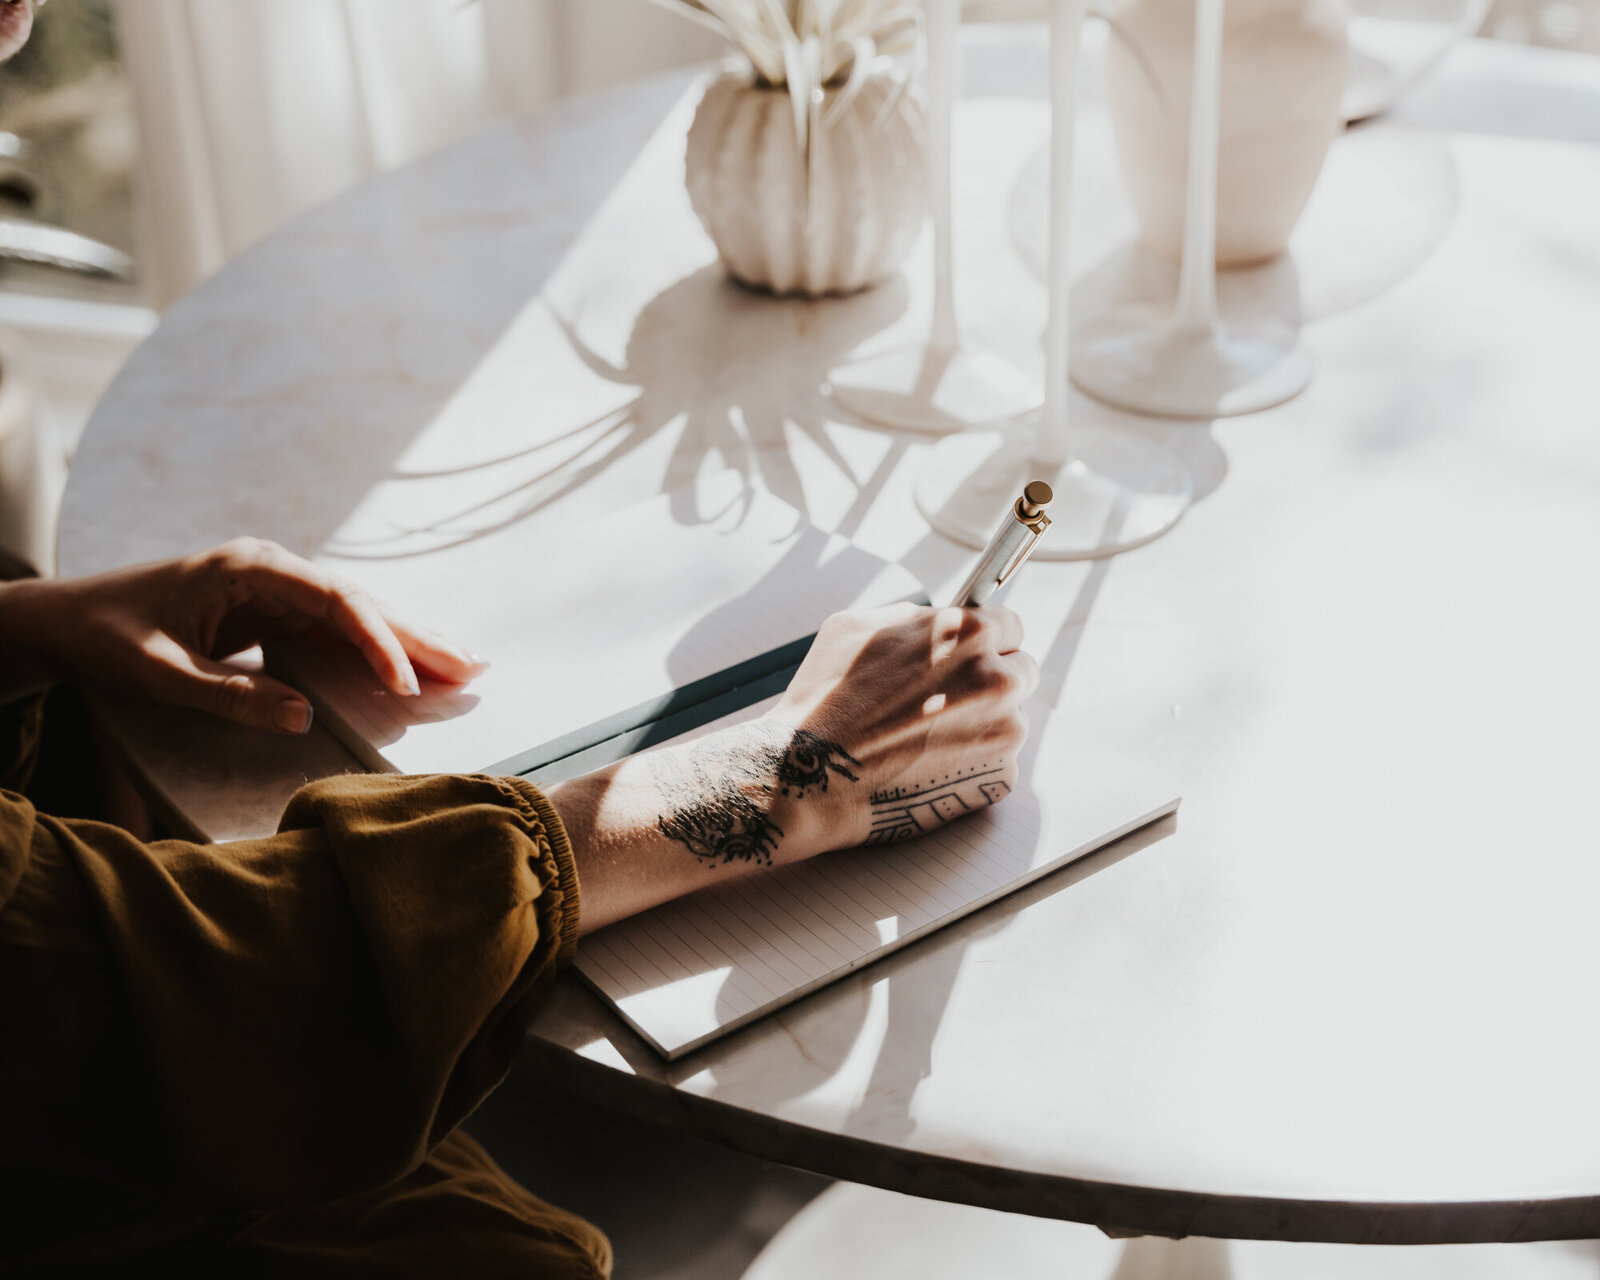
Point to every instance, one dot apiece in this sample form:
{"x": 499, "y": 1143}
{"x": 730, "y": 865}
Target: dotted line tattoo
{"x": 899, "y": 813}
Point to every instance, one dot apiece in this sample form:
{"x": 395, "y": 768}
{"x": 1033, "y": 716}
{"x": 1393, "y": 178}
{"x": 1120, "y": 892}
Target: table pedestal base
{"x": 934, "y": 390}
{"x": 1118, "y": 491}
{"x": 1164, "y": 367}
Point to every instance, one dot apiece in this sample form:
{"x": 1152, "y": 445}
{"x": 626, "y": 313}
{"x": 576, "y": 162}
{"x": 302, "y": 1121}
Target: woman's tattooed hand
{"x": 921, "y": 709}
{"x": 898, "y": 721}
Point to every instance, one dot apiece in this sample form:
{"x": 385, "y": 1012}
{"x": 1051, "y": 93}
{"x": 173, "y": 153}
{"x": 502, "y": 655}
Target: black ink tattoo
{"x": 899, "y": 813}
{"x": 720, "y": 805}
{"x": 995, "y": 792}
{"x": 725, "y": 828}
{"x": 806, "y": 763}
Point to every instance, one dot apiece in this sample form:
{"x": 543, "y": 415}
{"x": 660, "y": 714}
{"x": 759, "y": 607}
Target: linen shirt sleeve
{"x": 312, "y": 1011}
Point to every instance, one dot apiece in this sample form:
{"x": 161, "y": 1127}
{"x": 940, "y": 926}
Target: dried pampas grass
{"x": 805, "y": 45}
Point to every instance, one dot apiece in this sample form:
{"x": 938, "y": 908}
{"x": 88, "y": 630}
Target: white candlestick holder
{"x": 1185, "y": 363}
{"x": 1113, "y": 490}
{"x": 945, "y": 384}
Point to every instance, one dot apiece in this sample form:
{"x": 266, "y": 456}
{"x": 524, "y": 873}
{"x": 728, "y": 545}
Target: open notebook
{"x": 697, "y": 968}
{"x": 618, "y": 634}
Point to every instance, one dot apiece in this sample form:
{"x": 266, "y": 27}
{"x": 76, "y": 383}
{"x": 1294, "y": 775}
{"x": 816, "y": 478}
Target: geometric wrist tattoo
{"x": 900, "y": 813}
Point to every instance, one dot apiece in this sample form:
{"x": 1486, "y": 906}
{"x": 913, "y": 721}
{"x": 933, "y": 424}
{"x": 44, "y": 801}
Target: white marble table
{"x": 1348, "y": 994}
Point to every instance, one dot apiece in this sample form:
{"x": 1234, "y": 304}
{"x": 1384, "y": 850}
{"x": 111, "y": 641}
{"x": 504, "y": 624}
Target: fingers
{"x": 990, "y": 684}
{"x": 244, "y": 697}
{"x": 1026, "y": 667}
{"x": 996, "y": 628}
{"x": 358, "y": 618}
{"x": 437, "y": 657}
{"x": 982, "y": 650}
{"x": 993, "y": 628}
{"x": 262, "y": 571}
{"x": 924, "y": 659}
{"x": 962, "y": 632}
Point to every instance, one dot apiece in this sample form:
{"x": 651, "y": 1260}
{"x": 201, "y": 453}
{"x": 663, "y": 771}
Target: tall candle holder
{"x": 1114, "y": 490}
{"x": 944, "y": 384}
{"x": 1186, "y": 363}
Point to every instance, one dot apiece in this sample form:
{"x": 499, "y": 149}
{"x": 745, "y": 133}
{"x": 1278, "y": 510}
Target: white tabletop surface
{"x": 1348, "y": 993}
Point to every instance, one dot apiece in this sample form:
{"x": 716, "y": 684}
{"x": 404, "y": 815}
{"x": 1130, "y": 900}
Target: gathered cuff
{"x": 21, "y": 725}
{"x": 555, "y": 848}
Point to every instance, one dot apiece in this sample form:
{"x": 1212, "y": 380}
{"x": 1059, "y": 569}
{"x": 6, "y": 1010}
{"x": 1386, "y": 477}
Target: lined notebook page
{"x": 620, "y": 612}
{"x": 697, "y": 968}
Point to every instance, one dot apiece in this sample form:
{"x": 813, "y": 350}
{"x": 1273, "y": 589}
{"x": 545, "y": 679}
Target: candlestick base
{"x": 934, "y": 390}
{"x": 1118, "y": 492}
{"x": 1136, "y": 359}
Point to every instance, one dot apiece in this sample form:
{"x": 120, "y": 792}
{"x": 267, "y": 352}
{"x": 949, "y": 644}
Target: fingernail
{"x": 411, "y": 686}
{"x": 293, "y": 716}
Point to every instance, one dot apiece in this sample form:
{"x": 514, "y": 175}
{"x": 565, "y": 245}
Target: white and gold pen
{"x": 1013, "y": 542}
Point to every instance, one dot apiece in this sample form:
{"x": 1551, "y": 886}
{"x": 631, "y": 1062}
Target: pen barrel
{"x": 1008, "y": 540}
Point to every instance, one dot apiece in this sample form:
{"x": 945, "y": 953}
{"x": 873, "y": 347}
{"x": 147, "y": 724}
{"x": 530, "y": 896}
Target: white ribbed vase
{"x": 748, "y": 183}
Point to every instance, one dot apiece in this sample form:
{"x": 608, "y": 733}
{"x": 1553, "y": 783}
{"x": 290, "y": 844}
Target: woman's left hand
{"x": 161, "y": 631}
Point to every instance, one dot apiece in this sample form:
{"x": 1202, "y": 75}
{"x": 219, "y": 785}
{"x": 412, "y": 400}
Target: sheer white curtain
{"x": 251, "y": 110}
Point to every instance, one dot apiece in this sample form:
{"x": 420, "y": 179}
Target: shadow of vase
{"x": 739, "y": 372}
{"x": 722, "y": 376}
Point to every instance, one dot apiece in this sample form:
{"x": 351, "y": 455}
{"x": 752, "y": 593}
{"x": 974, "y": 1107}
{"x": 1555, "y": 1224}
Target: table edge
{"x": 1119, "y": 1209}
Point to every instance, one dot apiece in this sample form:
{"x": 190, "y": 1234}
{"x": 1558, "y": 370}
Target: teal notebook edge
{"x": 686, "y": 708}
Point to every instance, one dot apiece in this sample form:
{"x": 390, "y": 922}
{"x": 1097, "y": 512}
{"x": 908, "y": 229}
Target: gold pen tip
{"x": 1035, "y": 498}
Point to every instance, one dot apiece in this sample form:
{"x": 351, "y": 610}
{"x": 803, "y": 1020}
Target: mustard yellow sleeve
{"x": 310, "y": 1012}
{"x": 21, "y": 725}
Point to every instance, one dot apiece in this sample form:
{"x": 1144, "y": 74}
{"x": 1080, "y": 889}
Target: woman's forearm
{"x": 890, "y": 703}
{"x": 659, "y": 825}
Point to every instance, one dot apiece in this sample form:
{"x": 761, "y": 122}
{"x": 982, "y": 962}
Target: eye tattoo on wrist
{"x": 722, "y": 828}
{"x": 806, "y": 762}
{"x": 720, "y": 795}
